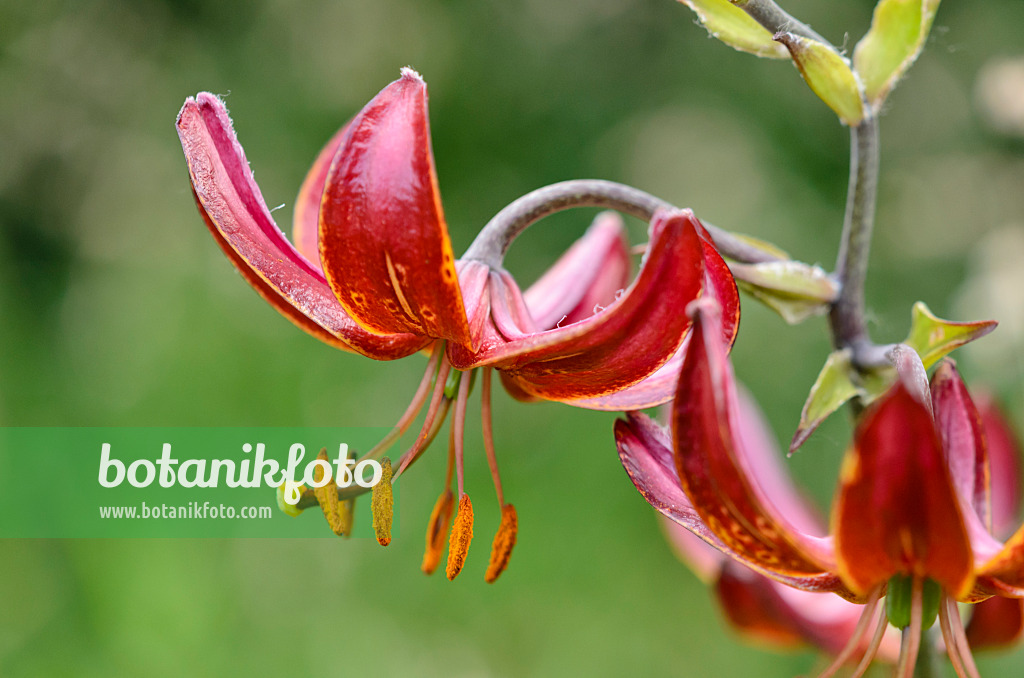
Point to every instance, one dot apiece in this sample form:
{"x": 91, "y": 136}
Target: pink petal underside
{"x": 239, "y": 219}
{"x": 719, "y": 470}
{"x": 963, "y": 440}
{"x": 660, "y": 387}
{"x": 612, "y": 349}
{"x": 383, "y": 240}
{"x": 306, "y": 221}
{"x": 588, "y": 275}
{"x": 1004, "y": 452}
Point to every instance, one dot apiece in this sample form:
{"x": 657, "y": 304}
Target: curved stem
{"x": 847, "y": 317}
{"x": 777, "y": 20}
{"x": 495, "y": 238}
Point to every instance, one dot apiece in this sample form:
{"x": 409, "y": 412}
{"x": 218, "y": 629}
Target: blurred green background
{"x": 117, "y": 308}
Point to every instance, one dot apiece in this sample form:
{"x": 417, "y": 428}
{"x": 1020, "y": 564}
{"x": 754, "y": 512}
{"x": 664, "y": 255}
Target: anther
{"x": 327, "y": 497}
{"x": 440, "y": 519}
{"x": 462, "y": 534}
{"x": 382, "y": 504}
{"x": 504, "y": 540}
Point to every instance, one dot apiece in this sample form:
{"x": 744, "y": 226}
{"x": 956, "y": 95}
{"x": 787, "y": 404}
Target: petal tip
{"x": 409, "y": 73}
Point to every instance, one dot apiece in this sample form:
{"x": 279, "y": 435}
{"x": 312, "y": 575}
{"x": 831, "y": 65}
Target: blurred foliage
{"x": 116, "y": 308}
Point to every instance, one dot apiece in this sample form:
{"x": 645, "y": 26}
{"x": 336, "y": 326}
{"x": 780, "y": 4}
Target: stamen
{"x": 953, "y": 634}
{"x": 459, "y": 426}
{"x": 440, "y": 519}
{"x": 911, "y": 642}
{"x": 872, "y": 650}
{"x": 382, "y": 505}
{"x": 414, "y": 407}
{"x": 857, "y": 637}
{"x": 327, "y": 497}
{"x": 485, "y": 414}
{"x": 441, "y": 516}
{"x": 462, "y": 534}
{"x": 436, "y": 400}
{"x": 504, "y": 540}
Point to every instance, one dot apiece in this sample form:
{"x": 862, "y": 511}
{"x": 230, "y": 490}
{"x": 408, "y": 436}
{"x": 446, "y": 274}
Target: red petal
{"x": 660, "y": 387}
{"x": 588, "y": 275}
{"x": 612, "y": 349}
{"x": 236, "y": 214}
{"x": 306, "y": 222}
{"x": 897, "y": 510}
{"x": 996, "y": 622}
{"x": 721, "y": 469}
{"x": 383, "y": 241}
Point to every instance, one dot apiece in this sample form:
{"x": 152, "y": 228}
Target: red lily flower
{"x": 372, "y": 271}
{"x": 910, "y": 517}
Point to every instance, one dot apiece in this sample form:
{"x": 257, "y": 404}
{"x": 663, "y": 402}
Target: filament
{"x": 857, "y": 637}
{"x": 414, "y": 407}
{"x": 485, "y": 413}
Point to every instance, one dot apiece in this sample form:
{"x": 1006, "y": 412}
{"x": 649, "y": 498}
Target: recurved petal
{"x": 896, "y": 473}
{"x": 719, "y": 463}
{"x": 659, "y": 388}
{"x": 960, "y": 428}
{"x": 1004, "y": 454}
{"x": 384, "y": 244}
{"x": 586, "y": 277}
{"x": 306, "y": 221}
{"x": 645, "y": 450}
{"x": 614, "y": 348}
{"x": 239, "y": 220}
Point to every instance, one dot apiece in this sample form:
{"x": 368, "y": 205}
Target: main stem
{"x": 847, "y": 317}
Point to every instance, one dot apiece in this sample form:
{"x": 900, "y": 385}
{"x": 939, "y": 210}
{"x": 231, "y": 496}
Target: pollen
{"x": 440, "y": 519}
{"x": 462, "y": 534}
{"x": 504, "y": 540}
{"x": 382, "y": 504}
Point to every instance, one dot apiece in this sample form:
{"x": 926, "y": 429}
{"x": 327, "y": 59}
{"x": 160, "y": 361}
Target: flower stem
{"x": 847, "y": 317}
{"x": 777, "y": 20}
{"x": 495, "y": 238}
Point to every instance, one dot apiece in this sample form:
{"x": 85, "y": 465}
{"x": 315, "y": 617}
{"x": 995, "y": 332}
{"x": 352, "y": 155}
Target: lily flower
{"x": 911, "y": 519}
{"x": 371, "y": 270}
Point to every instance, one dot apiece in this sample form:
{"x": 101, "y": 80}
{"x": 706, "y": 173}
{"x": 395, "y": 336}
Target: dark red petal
{"x": 660, "y": 387}
{"x": 236, "y": 214}
{"x": 612, "y": 349}
{"x": 996, "y": 622}
{"x": 306, "y": 222}
{"x": 587, "y": 276}
{"x": 383, "y": 241}
{"x": 719, "y": 464}
{"x": 897, "y": 510}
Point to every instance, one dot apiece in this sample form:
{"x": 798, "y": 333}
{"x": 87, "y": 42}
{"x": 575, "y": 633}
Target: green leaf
{"x": 828, "y": 74}
{"x": 794, "y": 290}
{"x": 898, "y": 32}
{"x": 736, "y": 28}
{"x": 834, "y": 386}
{"x": 933, "y": 338}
